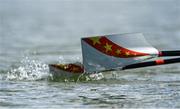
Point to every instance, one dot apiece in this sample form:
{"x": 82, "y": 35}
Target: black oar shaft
{"x": 152, "y": 63}
{"x": 169, "y": 53}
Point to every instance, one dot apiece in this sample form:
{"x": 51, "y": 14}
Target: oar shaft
{"x": 152, "y": 63}
{"x": 169, "y": 53}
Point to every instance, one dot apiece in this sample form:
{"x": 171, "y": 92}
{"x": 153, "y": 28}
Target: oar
{"x": 169, "y": 53}
{"x": 112, "y": 52}
{"x": 152, "y": 63}
{"x": 158, "y": 61}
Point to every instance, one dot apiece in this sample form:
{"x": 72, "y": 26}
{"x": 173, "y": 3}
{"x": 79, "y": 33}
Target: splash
{"x": 33, "y": 70}
{"x": 95, "y": 76}
{"x": 29, "y": 70}
{"x": 69, "y": 59}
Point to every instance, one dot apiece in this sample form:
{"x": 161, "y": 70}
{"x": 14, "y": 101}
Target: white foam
{"x": 29, "y": 70}
{"x": 69, "y": 59}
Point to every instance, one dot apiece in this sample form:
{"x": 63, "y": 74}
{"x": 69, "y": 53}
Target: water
{"x": 38, "y": 32}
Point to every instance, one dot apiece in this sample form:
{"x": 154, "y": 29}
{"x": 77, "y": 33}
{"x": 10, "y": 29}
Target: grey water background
{"x": 34, "y": 33}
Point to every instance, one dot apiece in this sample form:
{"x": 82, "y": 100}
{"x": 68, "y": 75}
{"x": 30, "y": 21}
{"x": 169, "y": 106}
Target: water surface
{"x": 36, "y": 33}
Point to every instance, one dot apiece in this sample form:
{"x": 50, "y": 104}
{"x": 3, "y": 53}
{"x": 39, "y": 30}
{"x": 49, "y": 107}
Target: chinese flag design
{"x": 108, "y": 47}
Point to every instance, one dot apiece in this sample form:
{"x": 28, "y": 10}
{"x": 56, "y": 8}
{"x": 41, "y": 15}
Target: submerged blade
{"x": 115, "y": 51}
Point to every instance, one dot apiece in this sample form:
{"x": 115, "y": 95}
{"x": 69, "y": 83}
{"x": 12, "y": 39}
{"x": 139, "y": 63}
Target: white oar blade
{"x": 115, "y": 51}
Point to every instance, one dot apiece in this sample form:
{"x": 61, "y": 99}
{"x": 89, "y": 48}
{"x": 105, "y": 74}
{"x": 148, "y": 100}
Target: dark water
{"x": 38, "y": 32}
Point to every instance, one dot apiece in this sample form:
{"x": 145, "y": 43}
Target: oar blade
{"x": 115, "y": 51}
